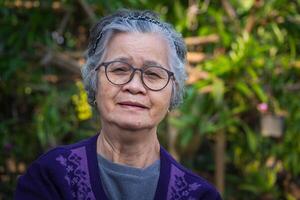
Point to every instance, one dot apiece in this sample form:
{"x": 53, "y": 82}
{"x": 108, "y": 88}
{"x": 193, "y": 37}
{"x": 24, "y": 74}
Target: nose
{"x": 135, "y": 85}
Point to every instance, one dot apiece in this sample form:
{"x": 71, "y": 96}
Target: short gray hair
{"x": 134, "y": 21}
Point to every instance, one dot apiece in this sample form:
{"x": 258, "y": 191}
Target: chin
{"x": 132, "y": 124}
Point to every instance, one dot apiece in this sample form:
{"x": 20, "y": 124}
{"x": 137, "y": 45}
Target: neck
{"x": 133, "y": 148}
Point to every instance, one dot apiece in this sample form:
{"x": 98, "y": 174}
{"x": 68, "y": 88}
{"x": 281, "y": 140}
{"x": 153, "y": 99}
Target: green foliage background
{"x": 247, "y": 67}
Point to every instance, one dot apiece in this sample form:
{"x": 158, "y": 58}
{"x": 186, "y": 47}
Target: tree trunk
{"x": 220, "y": 161}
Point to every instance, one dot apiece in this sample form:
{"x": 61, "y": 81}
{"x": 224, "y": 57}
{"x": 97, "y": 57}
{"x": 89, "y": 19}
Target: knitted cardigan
{"x": 72, "y": 172}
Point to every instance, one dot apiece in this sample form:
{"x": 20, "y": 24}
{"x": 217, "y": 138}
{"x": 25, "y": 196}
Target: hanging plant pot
{"x": 272, "y": 125}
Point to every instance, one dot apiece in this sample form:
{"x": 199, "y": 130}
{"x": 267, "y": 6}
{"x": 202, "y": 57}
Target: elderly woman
{"x": 134, "y": 75}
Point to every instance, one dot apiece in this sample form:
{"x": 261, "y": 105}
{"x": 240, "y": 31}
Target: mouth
{"x": 130, "y": 104}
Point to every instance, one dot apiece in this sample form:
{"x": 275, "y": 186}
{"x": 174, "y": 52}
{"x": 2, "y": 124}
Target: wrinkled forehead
{"x": 137, "y": 48}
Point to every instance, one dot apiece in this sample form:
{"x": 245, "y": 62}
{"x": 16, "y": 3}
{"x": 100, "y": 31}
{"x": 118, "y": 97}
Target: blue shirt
{"x": 124, "y": 182}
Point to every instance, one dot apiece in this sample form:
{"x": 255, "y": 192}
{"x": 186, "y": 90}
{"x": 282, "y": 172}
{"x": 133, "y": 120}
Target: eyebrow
{"x": 151, "y": 63}
{"x": 124, "y": 59}
{"x": 146, "y": 62}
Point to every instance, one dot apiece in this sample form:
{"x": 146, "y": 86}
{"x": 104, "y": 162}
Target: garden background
{"x": 239, "y": 126}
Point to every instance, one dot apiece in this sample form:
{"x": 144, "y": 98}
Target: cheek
{"x": 105, "y": 96}
{"x": 162, "y": 102}
{"x": 167, "y": 97}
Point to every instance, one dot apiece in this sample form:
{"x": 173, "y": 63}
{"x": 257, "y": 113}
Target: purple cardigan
{"x": 71, "y": 172}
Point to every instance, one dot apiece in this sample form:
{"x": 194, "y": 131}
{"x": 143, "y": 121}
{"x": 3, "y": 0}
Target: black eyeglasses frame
{"x": 106, "y": 64}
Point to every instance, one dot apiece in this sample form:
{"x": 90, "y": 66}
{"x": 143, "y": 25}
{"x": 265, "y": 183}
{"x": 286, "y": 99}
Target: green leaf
{"x": 250, "y": 187}
{"x": 244, "y": 89}
{"x": 218, "y": 90}
{"x": 177, "y": 122}
{"x": 252, "y": 141}
{"x": 186, "y": 138}
{"x": 278, "y": 33}
{"x": 260, "y": 93}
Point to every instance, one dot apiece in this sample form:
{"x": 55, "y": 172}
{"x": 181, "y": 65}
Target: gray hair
{"x": 134, "y": 21}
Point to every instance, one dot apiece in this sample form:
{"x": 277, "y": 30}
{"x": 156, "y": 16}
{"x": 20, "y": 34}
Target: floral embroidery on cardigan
{"x": 179, "y": 188}
{"x": 77, "y": 174}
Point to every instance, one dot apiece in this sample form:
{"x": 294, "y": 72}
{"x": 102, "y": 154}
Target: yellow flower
{"x": 80, "y": 100}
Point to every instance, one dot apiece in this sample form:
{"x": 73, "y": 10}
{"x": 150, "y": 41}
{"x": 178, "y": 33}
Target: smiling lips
{"x": 130, "y": 104}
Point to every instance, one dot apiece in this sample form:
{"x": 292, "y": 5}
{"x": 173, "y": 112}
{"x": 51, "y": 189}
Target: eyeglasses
{"x": 154, "y": 78}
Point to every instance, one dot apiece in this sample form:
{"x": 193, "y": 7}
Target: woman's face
{"x": 133, "y": 106}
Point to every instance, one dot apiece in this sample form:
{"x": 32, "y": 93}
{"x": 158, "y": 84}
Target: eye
{"x": 155, "y": 73}
{"x": 118, "y": 68}
{"x": 150, "y": 74}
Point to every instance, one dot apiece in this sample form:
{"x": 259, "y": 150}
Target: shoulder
{"x": 184, "y": 183}
{"x": 64, "y": 161}
{"x": 60, "y": 157}
{"x": 62, "y": 168}
{"x": 56, "y": 154}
